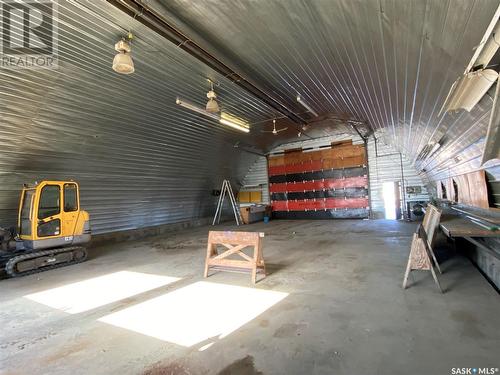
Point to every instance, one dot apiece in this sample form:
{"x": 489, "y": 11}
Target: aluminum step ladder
{"x": 226, "y": 189}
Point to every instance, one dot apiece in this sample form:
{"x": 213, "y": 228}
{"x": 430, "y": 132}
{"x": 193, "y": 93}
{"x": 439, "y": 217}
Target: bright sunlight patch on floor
{"x": 89, "y": 294}
{"x": 196, "y": 313}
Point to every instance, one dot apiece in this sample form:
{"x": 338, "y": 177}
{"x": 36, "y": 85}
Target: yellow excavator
{"x": 52, "y": 230}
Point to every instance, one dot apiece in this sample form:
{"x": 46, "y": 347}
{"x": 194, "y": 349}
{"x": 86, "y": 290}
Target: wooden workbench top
{"x": 460, "y": 226}
{"x": 491, "y": 215}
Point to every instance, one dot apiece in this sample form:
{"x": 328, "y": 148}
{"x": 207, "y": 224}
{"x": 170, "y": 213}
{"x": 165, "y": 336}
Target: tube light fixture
{"x": 306, "y": 106}
{"x": 194, "y": 108}
{"x": 234, "y": 123}
{"x": 489, "y": 49}
{"x": 488, "y": 45}
{"x": 491, "y": 148}
{"x": 224, "y": 118}
{"x": 435, "y": 147}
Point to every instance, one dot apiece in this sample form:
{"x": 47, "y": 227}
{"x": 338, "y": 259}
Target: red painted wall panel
{"x": 280, "y": 205}
{"x": 327, "y": 184}
{"x": 278, "y": 188}
{"x": 277, "y": 170}
{"x": 361, "y": 181}
{"x": 321, "y": 204}
{"x": 346, "y": 203}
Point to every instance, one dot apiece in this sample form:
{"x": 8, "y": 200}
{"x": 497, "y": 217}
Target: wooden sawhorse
{"x": 235, "y": 242}
{"x": 421, "y": 257}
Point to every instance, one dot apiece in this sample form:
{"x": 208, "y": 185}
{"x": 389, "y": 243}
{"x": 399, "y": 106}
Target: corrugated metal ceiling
{"x": 390, "y": 63}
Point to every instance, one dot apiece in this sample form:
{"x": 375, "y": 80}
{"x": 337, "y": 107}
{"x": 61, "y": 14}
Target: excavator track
{"x": 38, "y": 261}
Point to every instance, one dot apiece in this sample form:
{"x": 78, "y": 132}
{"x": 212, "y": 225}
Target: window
{"x": 50, "y": 228}
{"x": 49, "y": 201}
{"x": 70, "y": 198}
{"x": 26, "y": 212}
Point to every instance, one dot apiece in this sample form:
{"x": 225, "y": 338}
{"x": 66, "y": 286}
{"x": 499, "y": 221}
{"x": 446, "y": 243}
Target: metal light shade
{"x": 212, "y": 106}
{"x": 492, "y": 143}
{"x": 469, "y": 89}
{"x": 123, "y": 63}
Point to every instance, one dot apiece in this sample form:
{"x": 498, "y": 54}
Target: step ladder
{"x": 226, "y": 189}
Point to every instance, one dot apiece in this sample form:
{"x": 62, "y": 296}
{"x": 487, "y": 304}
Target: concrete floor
{"x": 345, "y": 312}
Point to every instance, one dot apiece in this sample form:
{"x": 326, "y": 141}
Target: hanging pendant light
{"x": 212, "y": 105}
{"x": 123, "y": 63}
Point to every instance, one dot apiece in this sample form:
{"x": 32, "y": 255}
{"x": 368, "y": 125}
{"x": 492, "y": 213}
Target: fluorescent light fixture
{"x": 234, "y": 125}
{"x": 434, "y": 148}
{"x": 195, "y": 108}
{"x": 428, "y": 150}
{"x": 224, "y": 118}
{"x": 492, "y": 143}
{"x": 123, "y": 63}
{"x": 484, "y": 51}
{"x": 468, "y": 90}
{"x": 234, "y": 122}
{"x": 306, "y": 106}
{"x": 489, "y": 48}
{"x": 199, "y": 313}
{"x": 99, "y": 291}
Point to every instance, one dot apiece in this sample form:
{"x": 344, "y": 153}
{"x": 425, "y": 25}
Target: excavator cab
{"x": 52, "y": 230}
{"x": 50, "y": 216}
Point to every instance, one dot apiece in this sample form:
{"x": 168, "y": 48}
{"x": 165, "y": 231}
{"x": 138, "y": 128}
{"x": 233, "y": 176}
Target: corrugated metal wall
{"x": 140, "y": 159}
{"x": 256, "y": 179}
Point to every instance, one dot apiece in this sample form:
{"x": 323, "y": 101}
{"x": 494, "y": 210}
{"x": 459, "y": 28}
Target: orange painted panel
{"x": 275, "y": 161}
{"x": 326, "y": 153}
{"x": 352, "y": 161}
{"x": 305, "y": 157}
{"x": 332, "y": 163}
{"x": 315, "y": 155}
{"x": 293, "y": 158}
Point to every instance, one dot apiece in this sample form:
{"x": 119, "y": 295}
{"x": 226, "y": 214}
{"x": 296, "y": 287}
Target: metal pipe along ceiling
{"x": 154, "y": 21}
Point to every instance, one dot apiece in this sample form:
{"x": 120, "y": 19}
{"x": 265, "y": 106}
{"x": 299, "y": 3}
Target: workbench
{"x": 459, "y": 226}
{"x": 456, "y": 224}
